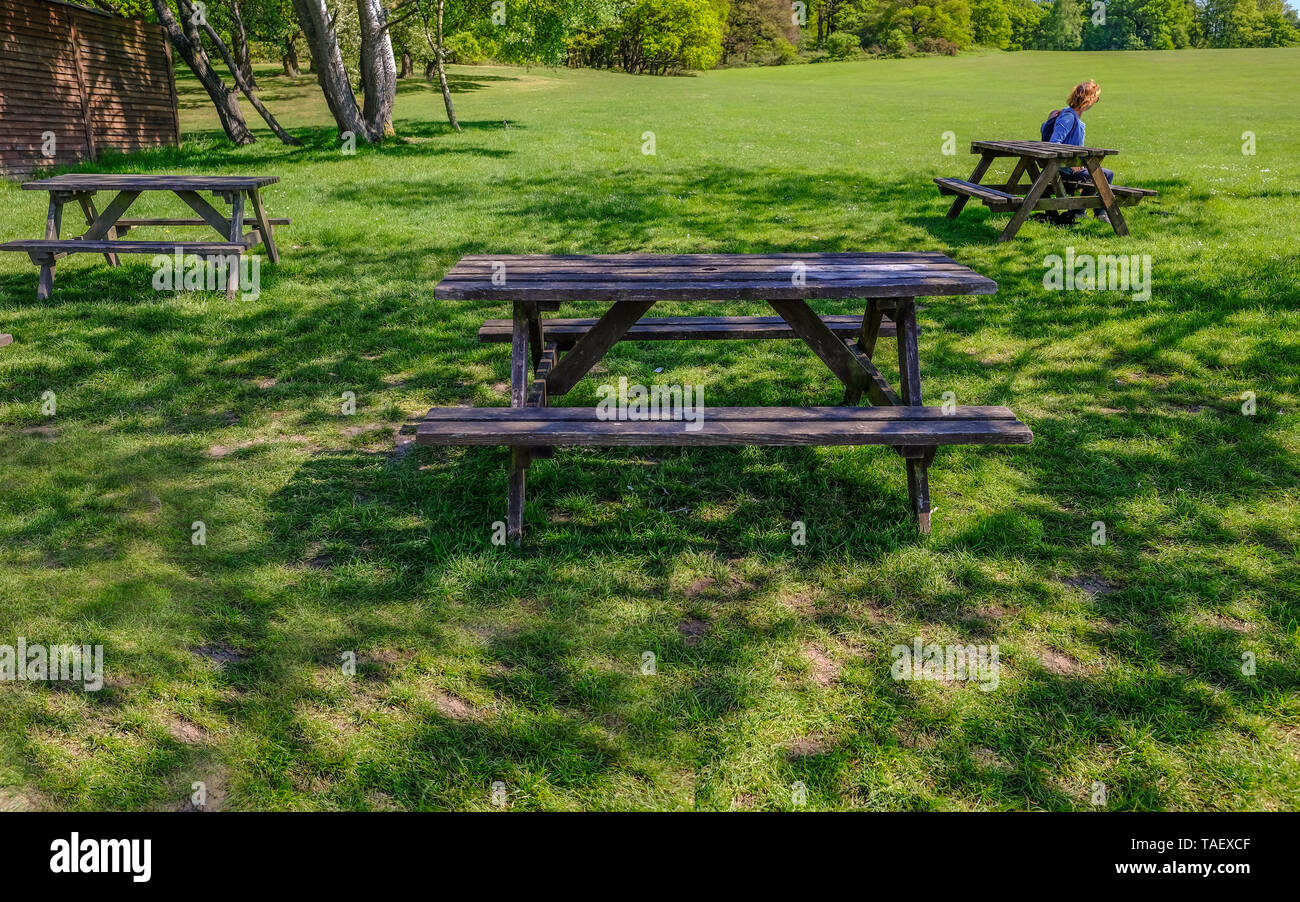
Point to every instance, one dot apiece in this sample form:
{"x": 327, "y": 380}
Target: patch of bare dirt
{"x": 213, "y": 795}
{"x": 185, "y": 731}
{"x": 14, "y": 799}
{"x": 455, "y": 707}
{"x": 1091, "y": 583}
{"x": 807, "y": 747}
{"x": 1235, "y": 624}
{"x": 699, "y": 586}
{"x": 44, "y": 433}
{"x": 989, "y": 759}
{"x": 216, "y": 452}
{"x": 1058, "y": 662}
{"x": 265, "y": 383}
{"x": 219, "y": 653}
{"x": 693, "y": 631}
{"x": 825, "y": 670}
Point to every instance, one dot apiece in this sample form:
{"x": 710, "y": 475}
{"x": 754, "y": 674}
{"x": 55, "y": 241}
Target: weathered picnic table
{"x": 1035, "y": 183}
{"x": 563, "y": 350}
{"x": 104, "y": 230}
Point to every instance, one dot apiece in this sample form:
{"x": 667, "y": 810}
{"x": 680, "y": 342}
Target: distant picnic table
{"x": 104, "y": 230}
{"x": 1035, "y": 183}
{"x": 562, "y": 351}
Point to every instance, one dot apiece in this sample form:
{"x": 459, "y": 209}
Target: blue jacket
{"x": 1069, "y": 128}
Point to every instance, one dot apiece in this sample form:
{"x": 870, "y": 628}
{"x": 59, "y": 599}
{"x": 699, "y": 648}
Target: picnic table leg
{"x": 45, "y": 284}
{"x": 1027, "y": 206}
{"x": 519, "y": 455}
{"x": 959, "y": 202}
{"x": 1107, "y": 196}
{"x": 909, "y": 389}
{"x": 236, "y": 235}
{"x": 53, "y": 223}
{"x": 264, "y": 225}
{"x": 88, "y": 210}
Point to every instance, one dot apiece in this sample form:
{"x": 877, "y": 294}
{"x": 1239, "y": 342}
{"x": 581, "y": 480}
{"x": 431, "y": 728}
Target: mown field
{"x": 328, "y": 534}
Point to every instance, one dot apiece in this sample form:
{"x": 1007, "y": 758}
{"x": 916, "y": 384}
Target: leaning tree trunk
{"x": 378, "y": 69}
{"x": 185, "y": 38}
{"x": 239, "y": 38}
{"x": 248, "y": 89}
{"x": 327, "y": 62}
{"x": 440, "y": 62}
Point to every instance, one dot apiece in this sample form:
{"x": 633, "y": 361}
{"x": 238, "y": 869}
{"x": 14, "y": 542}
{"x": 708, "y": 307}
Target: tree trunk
{"x": 239, "y": 41}
{"x": 440, "y": 63}
{"x": 290, "y": 58}
{"x": 185, "y": 38}
{"x": 378, "y": 69}
{"x": 248, "y": 90}
{"x": 327, "y": 62}
{"x": 408, "y": 67}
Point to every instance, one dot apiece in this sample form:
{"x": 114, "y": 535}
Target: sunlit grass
{"x": 1121, "y": 663}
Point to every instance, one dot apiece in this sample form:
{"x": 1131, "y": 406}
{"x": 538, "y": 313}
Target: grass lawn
{"x": 1121, "y": 663}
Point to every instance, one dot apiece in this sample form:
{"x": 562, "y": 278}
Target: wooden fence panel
{"x": 74, "y": 82}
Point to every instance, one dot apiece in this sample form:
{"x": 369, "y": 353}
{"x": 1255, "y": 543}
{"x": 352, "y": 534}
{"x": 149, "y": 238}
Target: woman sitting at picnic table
{"x": 1070, "y": 129}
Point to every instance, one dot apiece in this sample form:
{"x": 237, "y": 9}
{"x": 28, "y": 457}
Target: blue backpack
{"x": 1046, "y": 129}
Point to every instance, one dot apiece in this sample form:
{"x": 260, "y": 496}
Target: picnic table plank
{"x": 684, "y": 277}
{"x": 519, "y": 426}
{"x": 101, "y": 181}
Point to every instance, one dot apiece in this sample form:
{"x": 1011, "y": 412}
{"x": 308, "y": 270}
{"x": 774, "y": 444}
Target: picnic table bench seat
{"x": 971, "y": 189}
{"x": 43, "y": 248}
{"x": 566, "y": 332}
{"x": 780, "y": 426}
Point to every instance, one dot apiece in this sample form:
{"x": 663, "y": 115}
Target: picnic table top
{"x": 98, "y": 181}
{"x": 708, "y": 277}
{"x": 1041, "y": 150}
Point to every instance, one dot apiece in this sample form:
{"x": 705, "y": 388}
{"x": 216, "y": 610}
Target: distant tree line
{"x": 359, "y": 49}
{"x": 666, "y": 36}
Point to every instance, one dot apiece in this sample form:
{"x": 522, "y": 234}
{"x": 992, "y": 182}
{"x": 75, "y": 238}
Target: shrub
{"x": 896, "y": 44}
{"x": 463, "y": 47}
{"x": 841, "y": 45}
{"x": 938, "y": 45}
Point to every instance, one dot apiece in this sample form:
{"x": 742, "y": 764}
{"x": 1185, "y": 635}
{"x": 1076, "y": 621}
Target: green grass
{"x": 1120, "y": 663}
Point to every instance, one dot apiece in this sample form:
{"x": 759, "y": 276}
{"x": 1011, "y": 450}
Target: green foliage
{"x": 896, "y": 44}
{"x": 463, "y": 47}
{"x": 842, "y": 45}
{"x": 661, "y": 36}
{"x": 756, "y": 30}
{"x": 1062, "y": 28}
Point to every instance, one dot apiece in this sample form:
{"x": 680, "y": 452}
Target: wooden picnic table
{"x": 1035, "y": 183}
{"x": 563, "y": 351}
{"x": 105, "y": 230}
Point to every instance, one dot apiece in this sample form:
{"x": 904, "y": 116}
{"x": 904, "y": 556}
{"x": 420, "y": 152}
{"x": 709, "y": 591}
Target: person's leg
{"x": 1110, "y": 180}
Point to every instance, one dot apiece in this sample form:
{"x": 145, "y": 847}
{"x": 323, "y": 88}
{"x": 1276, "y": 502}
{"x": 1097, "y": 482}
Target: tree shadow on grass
{"x": 364, "y": 531}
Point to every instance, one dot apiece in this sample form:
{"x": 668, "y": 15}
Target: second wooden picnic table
{"x": 563, "y": 351}
{"x": 105, "y": 229}
{"x": 1036, "y": 183}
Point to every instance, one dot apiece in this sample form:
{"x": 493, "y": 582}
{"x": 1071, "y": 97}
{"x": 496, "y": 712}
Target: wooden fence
{"x": 75, "y": 82}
